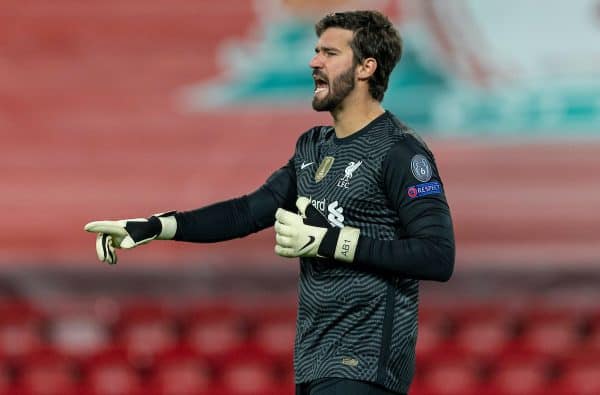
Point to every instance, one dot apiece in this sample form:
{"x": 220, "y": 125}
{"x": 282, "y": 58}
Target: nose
{"x": 316, "y": 62}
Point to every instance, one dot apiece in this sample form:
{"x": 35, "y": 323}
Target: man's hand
{"x": 293, "y": 237}
{"x": 309, "y": 234}
{"x": 130, "y": 233}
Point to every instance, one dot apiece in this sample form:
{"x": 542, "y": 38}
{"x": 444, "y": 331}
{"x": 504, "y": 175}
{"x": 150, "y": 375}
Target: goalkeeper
{"x": 361, "y": 203}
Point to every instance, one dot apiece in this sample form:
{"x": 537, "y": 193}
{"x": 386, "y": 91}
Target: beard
{"x": 339, "y": 89}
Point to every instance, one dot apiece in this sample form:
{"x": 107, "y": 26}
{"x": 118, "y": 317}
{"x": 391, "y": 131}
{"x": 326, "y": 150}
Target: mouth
{"x": 321, "y": 84}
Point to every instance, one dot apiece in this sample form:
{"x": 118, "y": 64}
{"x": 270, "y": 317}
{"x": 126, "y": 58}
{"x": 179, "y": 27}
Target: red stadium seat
{"x": 148, "y": 337}
{"x": 47, "y": 372}
{"x": 435, "y": 328}
{"x": 450, "y": 375}
{"x": 277, "y": 337}
{"x": 483, "y": 331}
{"x": 249, "y": 374}
{"x": 520, "y": 375}
{"x": 5, "y": 377}
{"x": 580, "y": 375}
{"x": 553, "y": 333}
{"x": 78, "y": 335}
{"x": 181, "y": 371}
{"x": 215, "y": 331}
{"x": 111, "y": 373}
{"x": 20, "y": 329}
{"x": 275, "y": 330}
{"x": 592, "y": 340}
{"x": 146, "y": 330}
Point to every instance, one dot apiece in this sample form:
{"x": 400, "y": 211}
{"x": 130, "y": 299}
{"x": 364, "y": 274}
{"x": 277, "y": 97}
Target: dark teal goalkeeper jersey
{"x": 355, "y": 320}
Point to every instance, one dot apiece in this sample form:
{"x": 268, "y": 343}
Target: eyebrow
{"x": 327, "y": 49}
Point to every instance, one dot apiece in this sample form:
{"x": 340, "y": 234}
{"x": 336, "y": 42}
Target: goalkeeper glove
{"x": 309, "y": 234}
{"x": 130, "y": 233}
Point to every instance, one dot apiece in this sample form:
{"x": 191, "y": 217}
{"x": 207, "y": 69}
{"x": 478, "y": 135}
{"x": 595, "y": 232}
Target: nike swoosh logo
{"x": 305, "y": 165}
{"x": 311, "y": 239}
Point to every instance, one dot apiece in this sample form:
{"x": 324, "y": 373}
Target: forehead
{"x": 335, "y": 37}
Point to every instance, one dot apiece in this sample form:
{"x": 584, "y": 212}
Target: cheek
{"x": 339, "y": 72}
{"x": 339, "y": 64}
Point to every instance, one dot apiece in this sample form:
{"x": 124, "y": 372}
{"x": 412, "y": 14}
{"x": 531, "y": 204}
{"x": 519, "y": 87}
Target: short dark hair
{"x": 374, "y": 37}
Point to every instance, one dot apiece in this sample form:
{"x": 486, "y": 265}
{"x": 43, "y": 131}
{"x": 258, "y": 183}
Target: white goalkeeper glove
{"x": 309, "y": 234}
{"x": 130, "y": 233}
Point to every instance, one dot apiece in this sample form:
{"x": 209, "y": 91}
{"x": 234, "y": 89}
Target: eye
{"x": 326, "y": 51}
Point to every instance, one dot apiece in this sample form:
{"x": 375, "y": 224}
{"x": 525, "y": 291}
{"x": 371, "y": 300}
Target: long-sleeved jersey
{"x": 355, "y": 320}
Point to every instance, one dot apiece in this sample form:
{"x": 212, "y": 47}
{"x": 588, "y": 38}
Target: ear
{"x": 366, "y": 69}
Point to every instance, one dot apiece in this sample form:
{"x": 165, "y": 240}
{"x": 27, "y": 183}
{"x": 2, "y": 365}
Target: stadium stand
{"x": 166, "y": 359}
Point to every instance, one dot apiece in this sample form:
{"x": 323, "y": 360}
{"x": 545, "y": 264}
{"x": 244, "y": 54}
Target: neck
{"x": 353, "y": 115}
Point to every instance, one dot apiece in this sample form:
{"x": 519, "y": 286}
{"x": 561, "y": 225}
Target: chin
{"x": 322, "y": 105}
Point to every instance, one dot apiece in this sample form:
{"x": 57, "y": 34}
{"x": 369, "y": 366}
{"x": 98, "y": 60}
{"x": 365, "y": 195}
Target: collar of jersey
{"x": 364, "y": 131}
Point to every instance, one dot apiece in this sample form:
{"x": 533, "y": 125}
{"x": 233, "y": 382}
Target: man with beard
{"x": 360, "y": 203}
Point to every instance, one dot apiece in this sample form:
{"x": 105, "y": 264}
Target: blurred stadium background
{"x": 122, "y": 108}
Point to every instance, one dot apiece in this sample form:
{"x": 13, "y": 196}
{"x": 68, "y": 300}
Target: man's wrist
{"x": 340, "y": 244}
{"x": 346, "y": 244}
{"x": 169, "y": 228}
{"x": 168, "y": 224}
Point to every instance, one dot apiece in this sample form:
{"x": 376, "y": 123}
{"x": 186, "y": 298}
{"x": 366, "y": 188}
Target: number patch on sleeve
{"x": 421, "y": 168}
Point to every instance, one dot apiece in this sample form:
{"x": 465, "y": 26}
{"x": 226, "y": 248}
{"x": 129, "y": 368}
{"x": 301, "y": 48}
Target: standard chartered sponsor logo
{"x": 318, "y": 204}
{"x": 336, "y": 217}
{"x": 335, "y": 212}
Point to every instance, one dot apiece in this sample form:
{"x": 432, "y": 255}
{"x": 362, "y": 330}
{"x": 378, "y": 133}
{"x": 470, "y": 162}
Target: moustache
{"x": 317, "y": 74}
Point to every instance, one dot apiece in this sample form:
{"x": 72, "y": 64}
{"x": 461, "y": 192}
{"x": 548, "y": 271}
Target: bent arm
{"x": 428, "y": 254}
{"x": 425, "y": 247}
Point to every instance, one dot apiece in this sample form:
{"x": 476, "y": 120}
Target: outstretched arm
{"x": 242, "y": 216}
{"x": 221, "y": 221}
